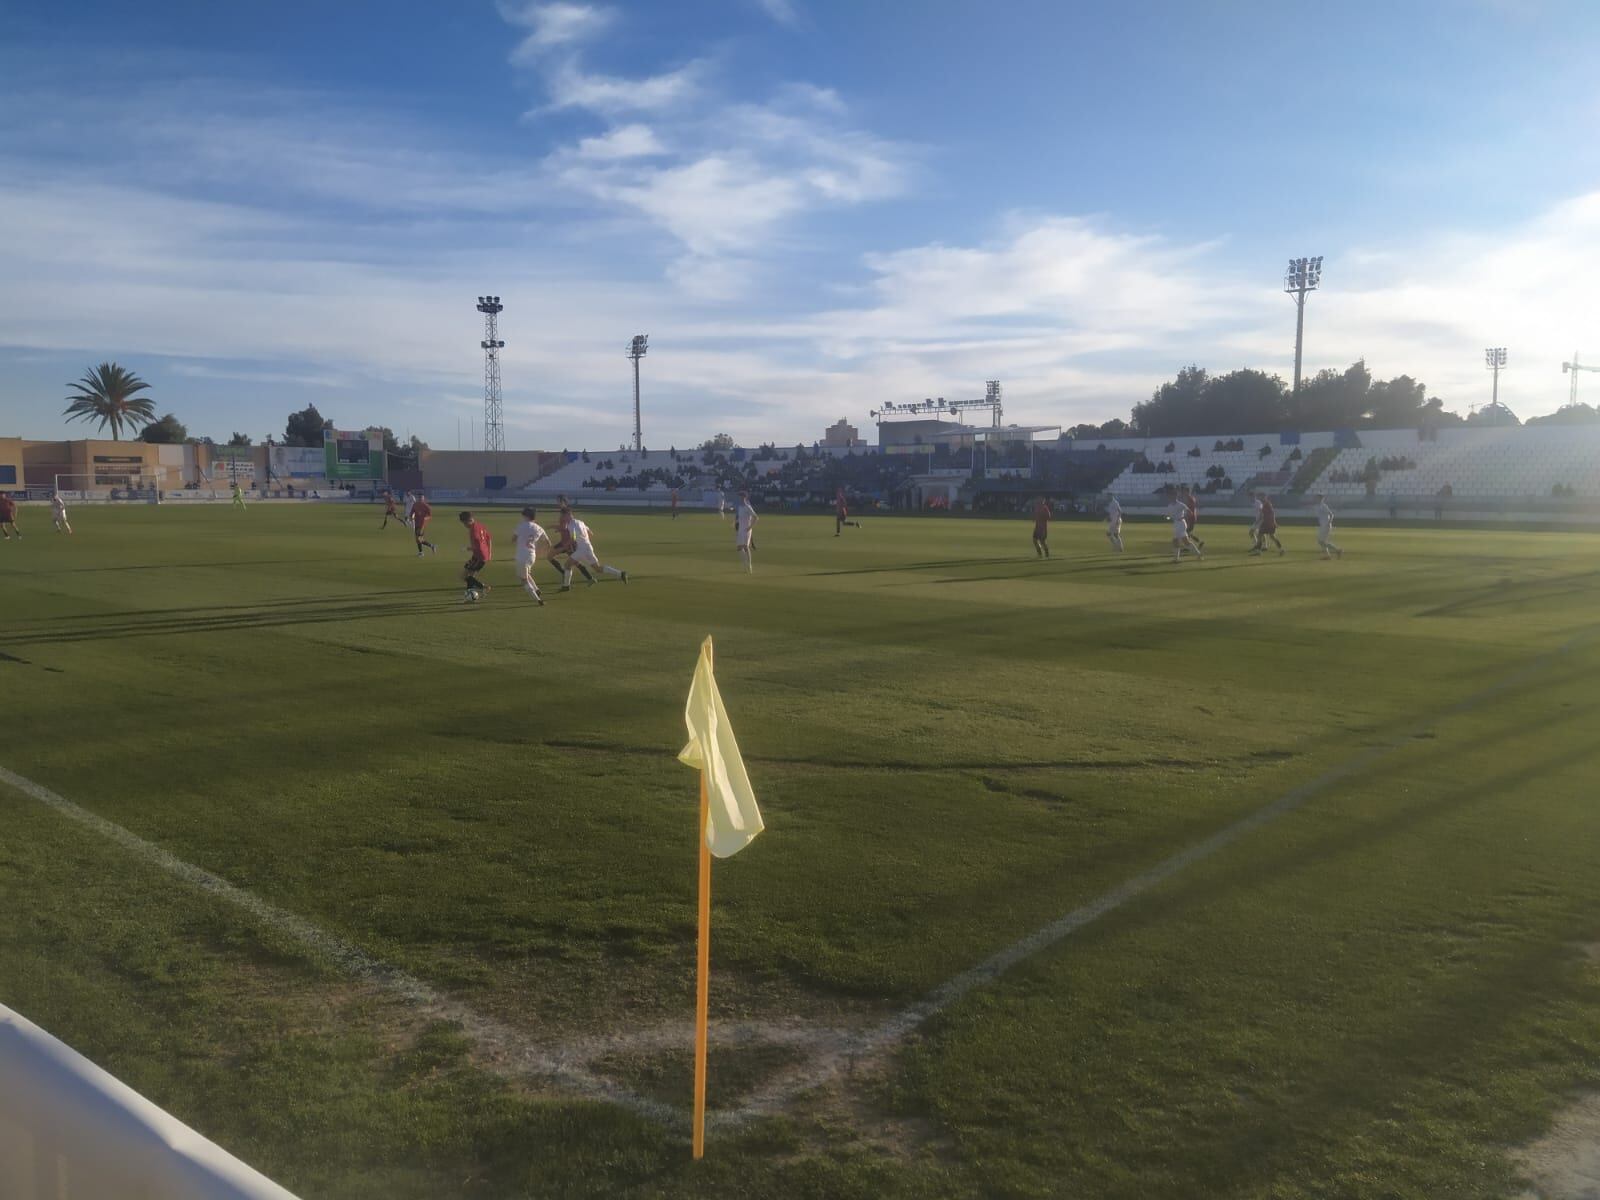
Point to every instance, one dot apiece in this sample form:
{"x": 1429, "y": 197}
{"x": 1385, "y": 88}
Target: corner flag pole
{"x": 702, "y": 978}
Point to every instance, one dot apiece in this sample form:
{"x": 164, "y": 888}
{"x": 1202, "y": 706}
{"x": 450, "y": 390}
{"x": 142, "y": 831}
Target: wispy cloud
{"x": 554, "y": 25}
{"x": 784, "y": 12}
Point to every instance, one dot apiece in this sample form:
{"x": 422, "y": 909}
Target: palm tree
{"x": 107, "y": 394}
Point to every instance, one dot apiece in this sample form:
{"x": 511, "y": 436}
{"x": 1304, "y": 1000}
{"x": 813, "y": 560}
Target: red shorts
{"x": 1041, "y": 532}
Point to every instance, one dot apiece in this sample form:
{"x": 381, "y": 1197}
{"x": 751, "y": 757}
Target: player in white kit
{"x": 58, "y": 506}
{"x": 1114, "y": 523}
{"x": 1255, "y": 522}
{"x": 583, "y": 553}
{"x": 529, "y": 533}
{"x": 1178, "y": 512}
{"x": 1325, "y": 529}
{"x": 744, "y": 532}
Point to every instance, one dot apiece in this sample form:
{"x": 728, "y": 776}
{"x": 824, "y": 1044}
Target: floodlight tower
{"x": 991, "y": 396}
{"x": 494, "y": 433}
{"x": 637, "y": 350}
{"x": 1304, "y": 275}
{"x": 1493, "y": 359}
{"x": 1574, "y": 367}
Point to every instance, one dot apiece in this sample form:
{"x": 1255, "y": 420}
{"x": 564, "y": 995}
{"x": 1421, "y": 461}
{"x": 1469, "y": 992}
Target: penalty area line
{"x": 512, "y": 1052}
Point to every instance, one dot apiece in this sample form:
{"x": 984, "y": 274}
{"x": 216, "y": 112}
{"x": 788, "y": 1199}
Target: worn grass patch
{"x": 954, "y": 744}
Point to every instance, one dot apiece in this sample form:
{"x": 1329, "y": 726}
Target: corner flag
{"x": 732, "y": 819}
{"x": 729, "y": 821}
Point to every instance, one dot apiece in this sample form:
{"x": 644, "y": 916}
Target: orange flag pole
{"x": 702, "y": 978}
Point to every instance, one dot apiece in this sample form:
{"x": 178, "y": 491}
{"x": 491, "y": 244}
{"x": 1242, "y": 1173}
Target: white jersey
{"x": 1179, "y": 512}
{"x": 1113, "y": 512}
{"x": 527, "y": 538}
{"x": 60, "y": 505}
{"x": 744, "y": 522}
{"x": 1324, "y": 517}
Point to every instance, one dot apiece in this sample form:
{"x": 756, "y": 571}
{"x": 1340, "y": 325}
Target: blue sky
{"x": 811, "y": 207}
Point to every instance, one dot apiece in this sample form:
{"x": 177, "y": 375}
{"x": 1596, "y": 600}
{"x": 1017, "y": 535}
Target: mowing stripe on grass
{"x": 835, "y": 1050}
{"x": 850, "y": 1048}
{"x": 511, "y": 1050}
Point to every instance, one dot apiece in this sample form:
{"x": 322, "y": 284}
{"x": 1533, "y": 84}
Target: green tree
{"x": 1174, "y": 408}
{"x": 1571, "y": 414}
{"x": 109, "y": 394}
{"x": 168, "y": 431}
{"x": 305, "y": 427}
{"x": 240, "y": 439}
{"x": 723, "y": 441}
{"x": 1331, "y": 399}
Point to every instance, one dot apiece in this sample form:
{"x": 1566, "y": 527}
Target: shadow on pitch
{"x": 136, "y": 613}
{"x": 165, "y": 624}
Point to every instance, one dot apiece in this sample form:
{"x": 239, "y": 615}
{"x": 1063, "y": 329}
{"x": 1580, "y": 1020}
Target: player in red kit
{"x": 674, "y": 504}
{"x": 8, "y": 517}
{"x": 390, "y": 512}
{"x": 480, "y": 549}
{"x": 841, "y": 514}
{"x": 421, "y": 514}
{"x": 1041, "y": 527}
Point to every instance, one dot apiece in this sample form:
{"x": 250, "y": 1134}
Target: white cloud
{"x": 624, "y": 141}
{"x": 570, "y": 86}
{"x": 553, "y": 26}
{"x": 781, "y": 11}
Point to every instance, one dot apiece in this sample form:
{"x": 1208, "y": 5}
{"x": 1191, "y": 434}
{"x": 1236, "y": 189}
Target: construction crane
{"x": 991, "y": 401}
{"x": 1573, "y": 368}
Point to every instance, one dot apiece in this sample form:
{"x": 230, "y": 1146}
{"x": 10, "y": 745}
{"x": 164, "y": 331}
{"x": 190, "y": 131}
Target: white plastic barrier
{"x": 70, "y": 1131}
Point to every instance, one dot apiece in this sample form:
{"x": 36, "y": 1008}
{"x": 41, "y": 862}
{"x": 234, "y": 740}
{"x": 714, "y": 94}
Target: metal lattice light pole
{"x": 494, "y": 433}
{"x": 1494, "y": 358}
{"x": 1304, "y": 275}
{"x": 637, "y": 349}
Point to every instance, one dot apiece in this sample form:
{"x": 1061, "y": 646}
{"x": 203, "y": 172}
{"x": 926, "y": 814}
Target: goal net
{"x": 130, "y": 487}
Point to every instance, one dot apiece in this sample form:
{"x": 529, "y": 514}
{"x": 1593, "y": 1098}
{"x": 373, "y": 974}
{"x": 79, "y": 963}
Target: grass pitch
{"x": 1375, "y": 994}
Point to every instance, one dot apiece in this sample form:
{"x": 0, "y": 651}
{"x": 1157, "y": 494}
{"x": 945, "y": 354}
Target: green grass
{"x": 1378, "y": 994}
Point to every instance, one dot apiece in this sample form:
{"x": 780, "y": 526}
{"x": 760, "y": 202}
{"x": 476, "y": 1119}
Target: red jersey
{"x": 839, "y": 506}
{"x": 1194, "y": 509}
{"x": 420, "y": 512}
{"x": 1041, "y": 513}
{"x": 8, "y": 509}
{"x": 482, "y": 546}
{"x": 388, "y": 506}
{"x": 1269, "y": 519}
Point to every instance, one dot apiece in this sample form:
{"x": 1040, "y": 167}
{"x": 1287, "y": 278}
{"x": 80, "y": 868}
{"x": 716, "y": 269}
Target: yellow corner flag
{"x": 732, "y": 818}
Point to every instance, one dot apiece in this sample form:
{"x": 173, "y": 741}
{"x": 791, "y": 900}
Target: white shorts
{"x": 1324, "y": 536}
{"x": 585, "y": 555}
{"x": 1114, "y": 524}
{"x": 1180, "y": 531}
{"x": 524, "y": 565}
{"x": 742, "y": 542}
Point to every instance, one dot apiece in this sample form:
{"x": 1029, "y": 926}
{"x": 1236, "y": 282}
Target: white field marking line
{"x": 828, "y": 1063}
{"x": 839, "y": 1049}
{"x": 513, "y": 1048}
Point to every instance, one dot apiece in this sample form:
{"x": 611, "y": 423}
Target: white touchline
{"x": 523, "y": 1055}
{"x": 839, "y": 1049}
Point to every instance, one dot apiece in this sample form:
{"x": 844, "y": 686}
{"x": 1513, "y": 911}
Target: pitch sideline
{"x": 838, "y": 1050}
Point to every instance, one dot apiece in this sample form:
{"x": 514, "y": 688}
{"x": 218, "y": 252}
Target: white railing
{"x": 70, "y": 1131}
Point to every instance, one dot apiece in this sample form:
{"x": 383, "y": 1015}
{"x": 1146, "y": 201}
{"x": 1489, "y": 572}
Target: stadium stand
{"x": 1505, "y": 462}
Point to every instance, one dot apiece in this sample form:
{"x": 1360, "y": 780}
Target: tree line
{"x": 1196, "y": 403}
{"x": 110, "y": 396}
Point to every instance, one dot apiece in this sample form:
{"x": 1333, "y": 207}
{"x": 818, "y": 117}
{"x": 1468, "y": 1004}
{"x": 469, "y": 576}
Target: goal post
{"x": 103, "y": 487}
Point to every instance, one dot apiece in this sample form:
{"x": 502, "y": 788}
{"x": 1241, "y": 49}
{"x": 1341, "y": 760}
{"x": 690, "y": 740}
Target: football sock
{"x": 612, "y": 571}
